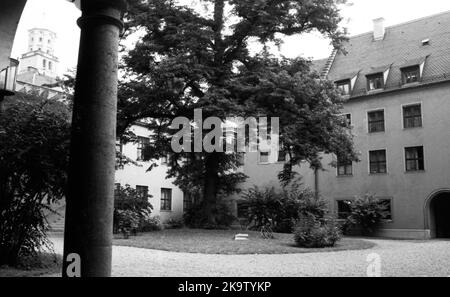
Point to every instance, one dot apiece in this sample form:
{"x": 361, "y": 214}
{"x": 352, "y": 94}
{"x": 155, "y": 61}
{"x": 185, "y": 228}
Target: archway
{"x": 438, "y": 210}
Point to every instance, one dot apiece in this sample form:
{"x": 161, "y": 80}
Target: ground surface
{"x": 48, "y": 264}
{"x": 220, "y": 242}
{"x": 398, "y": 258}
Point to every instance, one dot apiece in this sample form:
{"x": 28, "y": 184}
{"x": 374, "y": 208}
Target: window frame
{"x": 188, "y": 202}
{"x": 370, "y": 162}
{"x": 369, "y": 122}
{"x": 268, "y": 157}
{"x": 344, "y": 82}
{"x": 370, "y": 77}
{"x": 166, "y": 202}
{"x": 142, "y": 141}
{"x": 338, "y": 214}
{"x": 404, "y": 117}
{"x": 418, "y": 159}
{"x": 410, "y": 69}
{"x": 145, "y": 192}
{"x": 345, "y": 166}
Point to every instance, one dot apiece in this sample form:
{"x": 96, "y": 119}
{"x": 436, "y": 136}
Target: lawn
{"x": 221, "y": 242}
{"x": 47, "y": 264}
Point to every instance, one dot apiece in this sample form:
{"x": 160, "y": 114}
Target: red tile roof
{"x": 402, "y": 46}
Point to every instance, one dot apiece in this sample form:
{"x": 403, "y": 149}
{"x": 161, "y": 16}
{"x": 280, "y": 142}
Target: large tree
{"x": 199, "y": 57}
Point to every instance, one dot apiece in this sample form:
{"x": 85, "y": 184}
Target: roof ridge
{"x": 405, "y": 23}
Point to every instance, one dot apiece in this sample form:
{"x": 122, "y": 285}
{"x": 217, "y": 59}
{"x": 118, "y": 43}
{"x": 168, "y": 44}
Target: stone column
{"x": 90, "y": 194}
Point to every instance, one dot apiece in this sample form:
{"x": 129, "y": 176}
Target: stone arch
{"x": 430, "y": 223}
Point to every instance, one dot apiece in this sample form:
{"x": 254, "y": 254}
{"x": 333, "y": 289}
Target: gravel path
{"x": 398, "y": 258}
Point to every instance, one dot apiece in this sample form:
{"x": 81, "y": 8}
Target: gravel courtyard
{"x": 398, "y": 258}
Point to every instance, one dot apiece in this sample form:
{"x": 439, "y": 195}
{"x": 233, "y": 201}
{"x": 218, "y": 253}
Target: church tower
{"x": 40, "y": 56}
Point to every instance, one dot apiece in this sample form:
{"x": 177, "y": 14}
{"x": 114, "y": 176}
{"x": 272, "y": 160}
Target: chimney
{"x": 378, "y": 29}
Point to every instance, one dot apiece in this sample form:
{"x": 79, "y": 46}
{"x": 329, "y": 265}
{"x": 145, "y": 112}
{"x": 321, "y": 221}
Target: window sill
{"x": 412, "y": 84}
{"x": 412, "y": 128}
{"x": 377, "y": 132}
{"x": 375, "y": 91}
{"x": 415, "y": 172}
{"x": 377, "y": 174}
{"x": 162, "y": 210}
{"x": 264, "y": 163}
{"x": 345, "y": 176}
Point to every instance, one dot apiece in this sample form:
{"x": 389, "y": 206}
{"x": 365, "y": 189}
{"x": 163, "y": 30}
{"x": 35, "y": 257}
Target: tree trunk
{"x": 211, "y": 188}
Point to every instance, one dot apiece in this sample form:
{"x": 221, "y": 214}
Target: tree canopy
{"x": 190, "y": 58}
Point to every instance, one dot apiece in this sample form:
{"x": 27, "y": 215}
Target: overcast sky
{"x": 60, "y": 16}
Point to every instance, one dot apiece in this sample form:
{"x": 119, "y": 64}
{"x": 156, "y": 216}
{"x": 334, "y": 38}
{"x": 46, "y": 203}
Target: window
{"x": 375, "y": 81}
{"x": 44, "y": 63}
{"x": 414, "y": 158}
{"x": 388, "y": 208}
{"x": 142, "y": 192}
{"x": 344, "y": 87}
{"x": 40, "y": 39}
{"x": 412, "y": 116}
{"x": 348, "y": 119}
{"x": 116, "y": 191}
{"x": 377, "y": 161}
{"x": 242, "y": 209}
{"x": 263, "y": 157}
{"x": 344, "y": 209}
{"x": 344, "y": 167}
{"x": 142, "y": 143}
{"x": 166, "y": 199}
{"x": 411, "y": 74}
{"x": 187, "y": 201}
{"x": 165, "y": 159}
{"x": 376, "y": 121}
{"x": 50, "y": 65}
{"x": 282, "y": 155}
{"x": 119, "y": 154}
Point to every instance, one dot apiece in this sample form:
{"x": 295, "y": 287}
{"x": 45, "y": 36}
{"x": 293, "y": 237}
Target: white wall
{"x": 154, "y": 180}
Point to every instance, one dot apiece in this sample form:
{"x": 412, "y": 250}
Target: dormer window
{"x": 344, "y": 87}
{"x": 375, "y": 81}
{"x": 411, "y": 74}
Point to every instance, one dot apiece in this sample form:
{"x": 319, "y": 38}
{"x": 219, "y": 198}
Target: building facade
{"x": 396, "y": 83}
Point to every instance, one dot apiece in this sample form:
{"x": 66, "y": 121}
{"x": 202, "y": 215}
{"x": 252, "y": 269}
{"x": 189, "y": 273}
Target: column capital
{"x": 119, "y": 4}
{"x": 107, "y": 11}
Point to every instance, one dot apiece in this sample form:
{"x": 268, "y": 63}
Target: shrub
{"x": 283, "y": 208}
{"x": 222, "y": 216}
{"x": 311, "y": 232}
{"x": 127, "y": 221}
{"x": 131, "y": 209}
{"x": 150, "y": 224}
{"x": 174, "y": 224}
{"x": 367, "y": 212}
{"x": 34, "y": 154}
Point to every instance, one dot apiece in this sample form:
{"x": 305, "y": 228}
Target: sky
{"x": 60, "y": 16}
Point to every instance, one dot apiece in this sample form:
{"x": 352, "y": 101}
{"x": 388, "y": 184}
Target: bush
{"x": 196, "y": 217}
{"x": 127, "y": 221}
{"x": 174, "y": 224}
{"x": 34, "y": 154}
{"x": 313, "y": 233}
{"x": 282, "y": 208}
{"x": 150, "y": 224}
{"x": 368, "y": 213}
{"x": 131, "y": 210}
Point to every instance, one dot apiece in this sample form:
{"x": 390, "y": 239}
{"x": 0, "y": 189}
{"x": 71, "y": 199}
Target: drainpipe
{"x": 316, "y": 183}
{"x": 90, "y": 193}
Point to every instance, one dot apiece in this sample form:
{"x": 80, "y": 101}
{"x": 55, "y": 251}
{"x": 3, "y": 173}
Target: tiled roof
{"x": 318, "y": 65}
{"x": 35, "y": 78}
{"x": 401, "y": 47}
